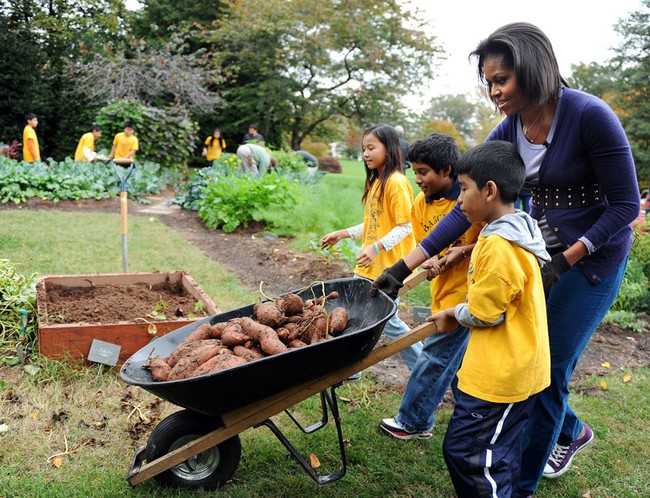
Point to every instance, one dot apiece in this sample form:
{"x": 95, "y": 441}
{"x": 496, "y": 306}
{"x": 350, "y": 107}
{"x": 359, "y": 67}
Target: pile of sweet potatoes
{"x": 281, "y": 325}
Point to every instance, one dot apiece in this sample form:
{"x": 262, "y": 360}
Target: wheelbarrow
{"x": 200, "y": 446}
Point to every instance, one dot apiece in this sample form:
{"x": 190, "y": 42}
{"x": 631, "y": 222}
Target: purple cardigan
{"x": 589, "y": 146}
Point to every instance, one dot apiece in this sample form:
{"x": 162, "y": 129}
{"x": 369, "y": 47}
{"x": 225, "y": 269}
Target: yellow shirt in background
{"x": 214, "y": 150}
{"x": 29, "y": 132}
{"x": 124, "y": 144}
{"x": 450, "y": 288}
{"x": 87, "y": 140}
{"x": 381, "y": 217}
{"x": 511, "y": 361}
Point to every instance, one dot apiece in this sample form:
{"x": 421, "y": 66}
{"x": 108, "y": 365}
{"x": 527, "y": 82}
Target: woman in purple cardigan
{"x": 581, "y": 173}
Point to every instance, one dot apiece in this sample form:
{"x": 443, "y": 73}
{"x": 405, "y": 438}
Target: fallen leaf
{"x": 587, "y": 495}
{"x": 35, "y": 415}
{"x": 4, "y": 428}
{"x": 31, "y": 369}
{"x": 152, "y": 330}
{"x": 314, "y": 461}
{"x": 603, "y": 384}
{"x": 627, "y": 378}
{"x": 347, "y": 444}
{"x": 57, "y": 462}
{"x": 606, "y": 365}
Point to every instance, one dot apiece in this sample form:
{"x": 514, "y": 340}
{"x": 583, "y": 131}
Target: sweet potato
{"x": 160, "y": 369}
{"x": 291, "y": 304}
{"x": 338, "y": 320}
{"x": 217, "y": 329}
{"x": 297, "y": 343}
{"x": 190, "y": 362}
{"x": 268, "y": 313}
{"x": 199, "y": 333}
{"x": 315, "y": 329}
{"x": 266, "y": 336}
{"x": 184, "y": 348}
{"x": 233, "y": 336}
{"x": 293, "y": 329}
{"x": 217, "y": 363}
{"x": 248, "y": 354}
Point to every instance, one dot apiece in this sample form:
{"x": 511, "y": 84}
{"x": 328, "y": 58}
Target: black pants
{"x": 483, "y": 446}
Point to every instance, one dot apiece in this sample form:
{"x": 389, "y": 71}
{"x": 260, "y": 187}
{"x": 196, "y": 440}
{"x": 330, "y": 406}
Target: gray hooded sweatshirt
{"x": 520, "y": 229}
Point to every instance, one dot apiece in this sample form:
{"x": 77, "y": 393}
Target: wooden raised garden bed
{"x": 123, "y": 309}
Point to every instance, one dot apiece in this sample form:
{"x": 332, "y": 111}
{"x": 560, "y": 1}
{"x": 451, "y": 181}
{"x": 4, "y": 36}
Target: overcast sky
{"x": 580, "y": 31}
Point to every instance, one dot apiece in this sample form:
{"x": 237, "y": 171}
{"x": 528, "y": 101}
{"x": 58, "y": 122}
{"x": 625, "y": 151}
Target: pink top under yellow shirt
{"x": 381, "y": 217}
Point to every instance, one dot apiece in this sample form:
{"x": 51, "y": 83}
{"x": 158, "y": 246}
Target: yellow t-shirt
{"x": 511, "y": 361}
{"x": 87, "y": 140}
{"x": 29, "y": 132}
{"x": 380, "y": 218}
{"x": 450, "y": 288}
{"x": 124, "y": 144}
{"x": 214, "y": 150}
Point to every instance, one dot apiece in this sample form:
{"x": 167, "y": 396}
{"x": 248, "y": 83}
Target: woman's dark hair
{"x": 222, "y": 142}
{"x": 388, "y": 136}
{"x": 528, "y": 51}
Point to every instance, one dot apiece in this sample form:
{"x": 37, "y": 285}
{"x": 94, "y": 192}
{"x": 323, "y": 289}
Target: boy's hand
{"x": 391, "y": 280}
{"x": 445, "y": 321}
{"x": 552, "y": 271}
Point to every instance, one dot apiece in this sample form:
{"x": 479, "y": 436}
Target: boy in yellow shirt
{"x": 434, "y": 161}
{"x": 86, "y": 147}
{"x": 125, "y": 143}
{"x": 507, "y": 360}
{"x": 31, "y": 149}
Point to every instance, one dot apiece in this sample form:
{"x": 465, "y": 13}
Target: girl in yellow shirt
{"x": 214, "y": 146}
{"x": 386, "y": 232}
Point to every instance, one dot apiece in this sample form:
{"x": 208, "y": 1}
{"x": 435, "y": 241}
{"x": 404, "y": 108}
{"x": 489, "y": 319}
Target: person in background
{"x": 86, "y": 147}
{"x": 125, "y": 143}
{"x": 434, "y": 161}
{"x": 214, "y": 145}
{"x": 254, "y": 159}
{"x": 507, "y": 361}
{"x": 580, "y": 169}
{"x": 386, "y": 232}
{"x": 31, "y": 149}
{"x": 404, "y": 145}
{"x": 252, "y": 135}
{"x": 310, "y": 159}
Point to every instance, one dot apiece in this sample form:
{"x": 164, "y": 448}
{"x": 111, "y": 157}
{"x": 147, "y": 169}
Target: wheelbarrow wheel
{"x": 209, "y": 469}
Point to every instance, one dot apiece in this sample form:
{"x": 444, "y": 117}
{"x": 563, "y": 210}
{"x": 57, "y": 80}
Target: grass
{"x": 94, "y": 421}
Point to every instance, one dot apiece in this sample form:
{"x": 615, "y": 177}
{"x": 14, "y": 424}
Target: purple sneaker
{"x": 561, "y": 457}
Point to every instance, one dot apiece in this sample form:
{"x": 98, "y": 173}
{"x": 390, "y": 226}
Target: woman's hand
{"x": 366, "y": 256}
{"x": 333, "y": 238}
{"x": 445, "y": 321}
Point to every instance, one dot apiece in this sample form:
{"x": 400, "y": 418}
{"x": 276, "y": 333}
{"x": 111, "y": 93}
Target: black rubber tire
{"x": 210, "y": 469}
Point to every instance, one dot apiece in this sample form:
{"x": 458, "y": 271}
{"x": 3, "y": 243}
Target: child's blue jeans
{"x": 430, "y": 378}
{"x": 393, "y": 329}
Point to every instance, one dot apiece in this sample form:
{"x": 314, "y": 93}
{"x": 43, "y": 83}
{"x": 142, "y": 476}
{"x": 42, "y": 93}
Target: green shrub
{"x": 190, "y": 193}
{"x": 236, "y": 200}
{"x": 17, "y": 301}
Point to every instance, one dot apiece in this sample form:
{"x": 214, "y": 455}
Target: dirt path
{"x": 256, "y": 258}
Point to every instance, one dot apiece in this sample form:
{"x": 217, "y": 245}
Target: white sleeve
{"x": 89, "y": 154}
{"x": 396, "y": 235}
{"x": 356, "y": 231}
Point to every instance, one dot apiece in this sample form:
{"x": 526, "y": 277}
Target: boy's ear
{"x": 491, "y": 191}
{"x": 446, "y": 171}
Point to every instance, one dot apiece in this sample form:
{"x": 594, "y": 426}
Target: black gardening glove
{"x": 391, "y": 280}
{"x": 552, "y": 270}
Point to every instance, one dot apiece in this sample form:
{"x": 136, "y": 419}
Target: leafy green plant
{"x": 191, "y": 192}
{"x": 159, "y": 310}
{"x": 237, "y": 200}
{"x": 346, "y": 250}
{"x": 18, "y": 321}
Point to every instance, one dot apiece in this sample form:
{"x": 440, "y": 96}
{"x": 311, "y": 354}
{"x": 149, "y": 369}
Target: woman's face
{"x": 502, "y": 83}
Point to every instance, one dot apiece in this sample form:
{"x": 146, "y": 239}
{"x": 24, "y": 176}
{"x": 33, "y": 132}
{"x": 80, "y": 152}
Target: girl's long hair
{"x": 222, "y": 142}
{"x": 388, "y": 136}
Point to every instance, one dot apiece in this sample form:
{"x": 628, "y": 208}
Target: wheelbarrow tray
{"x": 239, "y": 386}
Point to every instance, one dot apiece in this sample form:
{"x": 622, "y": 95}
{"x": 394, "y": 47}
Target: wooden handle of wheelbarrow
{"x": 415, "y": 279}
{"x": 239, "y": 420}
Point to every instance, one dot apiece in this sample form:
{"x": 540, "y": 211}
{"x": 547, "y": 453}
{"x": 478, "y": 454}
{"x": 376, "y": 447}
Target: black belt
{"x": 566, "y": 198}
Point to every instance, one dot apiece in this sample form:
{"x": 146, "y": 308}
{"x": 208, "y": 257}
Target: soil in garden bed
{"x": 120, "y": 302}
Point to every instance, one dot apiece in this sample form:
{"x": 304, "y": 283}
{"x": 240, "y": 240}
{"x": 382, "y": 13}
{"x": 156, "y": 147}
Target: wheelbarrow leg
{"x": 332, "y": 403}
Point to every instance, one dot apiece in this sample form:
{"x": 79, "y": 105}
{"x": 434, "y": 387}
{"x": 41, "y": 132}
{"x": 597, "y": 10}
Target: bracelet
{"x": 376, "y": 246}
{"x": 464, "y": 254}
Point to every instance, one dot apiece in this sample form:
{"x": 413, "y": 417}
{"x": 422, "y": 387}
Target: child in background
{"x": 125, "y": 143}
{"x": 386, "y": 232}
{"x": 434, "y": 161}
{"x": 31, "y": 149}
{"x": 214, "y": 146}
{"x": 507, "y": 360}
{"x": 86, "y": 147}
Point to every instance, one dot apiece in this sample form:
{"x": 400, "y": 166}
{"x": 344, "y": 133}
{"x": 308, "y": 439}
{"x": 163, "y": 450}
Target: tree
{"x": 633, "y": 59}
{"x": 293, "y": 66}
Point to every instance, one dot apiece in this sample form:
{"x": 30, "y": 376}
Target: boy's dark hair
{"x": 129, "y": 124}
{"x": 498, "y": 161}
{"x": 29, "y": 116}
{"x": 436, "y": 151}
{"x": 253, "y": 125}
{"x": 95, "y": 127}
